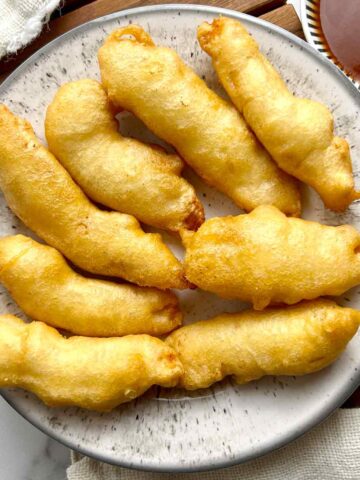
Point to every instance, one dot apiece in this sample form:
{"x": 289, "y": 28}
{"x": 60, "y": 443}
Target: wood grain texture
{"x": 70, "y": 5}
{"x": 98, "y": 8}
{"x": 287, "y": 18}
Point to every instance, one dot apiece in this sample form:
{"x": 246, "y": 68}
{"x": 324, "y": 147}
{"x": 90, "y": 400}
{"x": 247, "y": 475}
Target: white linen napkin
{"x": 331, "y": 451}
{"x": 21, "y": 21}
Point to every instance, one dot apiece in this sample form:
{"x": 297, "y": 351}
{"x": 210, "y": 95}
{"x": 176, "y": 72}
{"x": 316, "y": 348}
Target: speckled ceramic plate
{"x": 227, "y": 424}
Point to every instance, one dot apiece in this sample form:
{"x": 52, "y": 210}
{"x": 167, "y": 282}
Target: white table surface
{"x": 25, "y": 452}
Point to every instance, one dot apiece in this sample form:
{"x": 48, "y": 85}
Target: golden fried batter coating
{"x": 294, "y": 340}
{"x": 43, "y": 195}
{"x": 267, "y": 258}
{"x": 47, "y": 289}
{"x": 297, "y": 132}
{"x": 208, "y": 132}
{"x": 122, "y": 173}
{"x": 93, "y": 373}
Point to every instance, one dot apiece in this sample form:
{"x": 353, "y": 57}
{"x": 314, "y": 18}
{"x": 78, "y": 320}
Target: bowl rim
{"x": 346, "y": 391}
{"x": 320, "y": 42}
{"x": 305, "y": 24}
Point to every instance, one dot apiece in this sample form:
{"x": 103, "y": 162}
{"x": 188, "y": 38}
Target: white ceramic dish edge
{"x": 351, "y": 386}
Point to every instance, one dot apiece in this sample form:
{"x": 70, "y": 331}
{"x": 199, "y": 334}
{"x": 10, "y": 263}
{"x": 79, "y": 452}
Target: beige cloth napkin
{"x": 21, "y": 21}
{"x": 329, "y": 452}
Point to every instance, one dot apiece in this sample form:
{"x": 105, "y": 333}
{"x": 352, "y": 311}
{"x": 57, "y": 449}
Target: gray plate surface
{"x": 227, "y": 424}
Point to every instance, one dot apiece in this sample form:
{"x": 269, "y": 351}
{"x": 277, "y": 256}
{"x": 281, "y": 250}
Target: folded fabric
{"x": 329, "y": 452}
{"x": 21, "y": 21}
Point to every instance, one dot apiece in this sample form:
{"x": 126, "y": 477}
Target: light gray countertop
{"x": 26, "y": 453}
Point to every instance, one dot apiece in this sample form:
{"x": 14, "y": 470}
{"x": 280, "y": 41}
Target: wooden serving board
{"x": 75, "y": 12}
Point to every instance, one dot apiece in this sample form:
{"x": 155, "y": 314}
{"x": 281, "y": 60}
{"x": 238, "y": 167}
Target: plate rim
{"x": 312, "y": 422}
